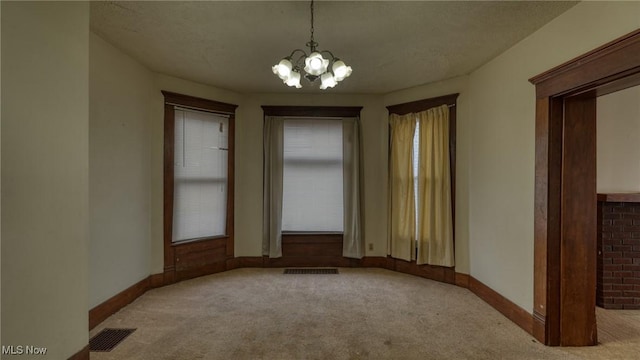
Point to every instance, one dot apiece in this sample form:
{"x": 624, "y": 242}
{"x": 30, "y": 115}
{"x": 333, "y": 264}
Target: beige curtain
{"x": 435, "y": 230}
{"x": 353, "y": 241}
{"x": 403, "y": 226}
{"x": 273, "y": 143}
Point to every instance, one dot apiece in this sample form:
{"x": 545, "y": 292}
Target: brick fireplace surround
{"x": 618, "y": 284}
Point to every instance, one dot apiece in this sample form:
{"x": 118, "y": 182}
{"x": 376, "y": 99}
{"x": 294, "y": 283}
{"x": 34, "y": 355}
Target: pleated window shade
{"x": 200, "y": 174}
{"x": 312, "y": 176}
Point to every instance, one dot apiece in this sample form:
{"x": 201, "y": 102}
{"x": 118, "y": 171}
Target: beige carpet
{"x": 358, "y": 314}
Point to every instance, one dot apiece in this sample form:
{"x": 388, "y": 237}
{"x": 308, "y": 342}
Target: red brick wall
{"x": 618, "y": 255}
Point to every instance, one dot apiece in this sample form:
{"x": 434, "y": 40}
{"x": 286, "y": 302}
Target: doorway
{"x": 618, "y": 186}
{"x": 565, "y": 188}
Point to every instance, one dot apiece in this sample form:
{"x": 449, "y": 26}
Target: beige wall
{"x": 120, "y": 123}
{"x": 502, "y": 116}
{"x": 126, "y": 167}
{"x": 618, "y": 139}
{"x": 45, "y": 194}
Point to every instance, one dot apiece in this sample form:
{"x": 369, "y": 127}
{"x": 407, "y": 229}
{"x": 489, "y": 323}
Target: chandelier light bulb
{"x": 340, "y": 70}
{"x": 316, "y": 64}
{"x": 293, "y": 79}
{"x": 283, "y": 69}
{"x": 328, "y": 81}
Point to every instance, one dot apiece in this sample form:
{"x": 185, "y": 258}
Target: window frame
{"x": 311, "y": 112}
{"x": 189, "y": 255}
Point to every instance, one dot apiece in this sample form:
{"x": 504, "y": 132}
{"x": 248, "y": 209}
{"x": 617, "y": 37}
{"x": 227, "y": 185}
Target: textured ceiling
{"x": 391, "y": 45}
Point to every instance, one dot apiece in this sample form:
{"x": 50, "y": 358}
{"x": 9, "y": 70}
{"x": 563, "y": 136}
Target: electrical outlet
{"x": 370, "y": 246}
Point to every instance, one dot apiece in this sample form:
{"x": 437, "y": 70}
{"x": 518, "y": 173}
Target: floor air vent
{"x": 310, "y": 271}
{"x": 108, "y": 339}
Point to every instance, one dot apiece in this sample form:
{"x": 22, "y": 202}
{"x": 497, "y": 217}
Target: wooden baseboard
{"x": 99, "y": 313}
{"x": 249, "y": 262}
{"x": 512, "y": 311}
{"x": 306, "y": 261}
{"x": 375, "y": 262}
{"x": 462, "y": 280}
{"x": 156, "y": 280}
{"x": 81, "y": 355}
{"x": 170, "y": 276}
{"x": 437, "y": 273}
{"x": 539, "y": 328}
{"x": 194, "y": 272}
{"x": 310, "y": 261}
{"x": 232, "y": 263}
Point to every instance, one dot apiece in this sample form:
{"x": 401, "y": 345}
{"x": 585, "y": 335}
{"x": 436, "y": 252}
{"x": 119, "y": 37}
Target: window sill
{"x": 191, "y": 241}
{"x": 311, "y": 233}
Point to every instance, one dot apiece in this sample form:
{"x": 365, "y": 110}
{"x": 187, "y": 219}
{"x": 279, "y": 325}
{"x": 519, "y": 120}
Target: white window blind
{"x": 200, "y": 174}
{"x": 312, "y": 176}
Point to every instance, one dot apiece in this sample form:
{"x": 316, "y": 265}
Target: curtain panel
{"x": 435, "y": 229}
{"x": 272, "y": 182}
{"x": 353, "y": 241}
{"x": 402, "y": 224}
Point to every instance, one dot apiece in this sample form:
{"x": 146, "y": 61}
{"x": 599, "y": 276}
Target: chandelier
{"x": 315, "y": 66}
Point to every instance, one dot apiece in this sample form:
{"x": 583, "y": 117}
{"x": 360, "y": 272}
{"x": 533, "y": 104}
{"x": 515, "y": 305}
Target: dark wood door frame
{"x": 565, "y": 195}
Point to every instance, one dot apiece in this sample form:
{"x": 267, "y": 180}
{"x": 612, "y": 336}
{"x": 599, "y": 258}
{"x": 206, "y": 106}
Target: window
{"x": 198, "y": 185}
{"x": 415, "y": 169}
{"x": 200, "y": 174}
{"x": 312, "y": 175}
{"x": 422, "y": 180}
{"x": 311, "y": 182}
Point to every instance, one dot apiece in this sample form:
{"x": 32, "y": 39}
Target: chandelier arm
{"x": 295, "y": 51}
{"x": 328, "y": 52}
{"x": 303, "y": 56}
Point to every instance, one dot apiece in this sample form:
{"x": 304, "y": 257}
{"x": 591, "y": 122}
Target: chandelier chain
{"x": 312, "y": 41}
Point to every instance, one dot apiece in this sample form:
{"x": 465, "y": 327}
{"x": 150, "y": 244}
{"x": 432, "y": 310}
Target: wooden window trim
{"x": 422, "y": 105}
{"x": 208, "y": 250}
{"x": 312, "y": 111}
{"x": 198, "y": 103}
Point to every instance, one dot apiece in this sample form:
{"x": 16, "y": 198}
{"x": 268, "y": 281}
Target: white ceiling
{"x": 391, "y": 45}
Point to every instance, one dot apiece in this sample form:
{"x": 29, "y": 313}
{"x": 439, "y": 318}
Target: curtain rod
{"x": 337, "y": 118}
{"x": 196, "y": 110}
